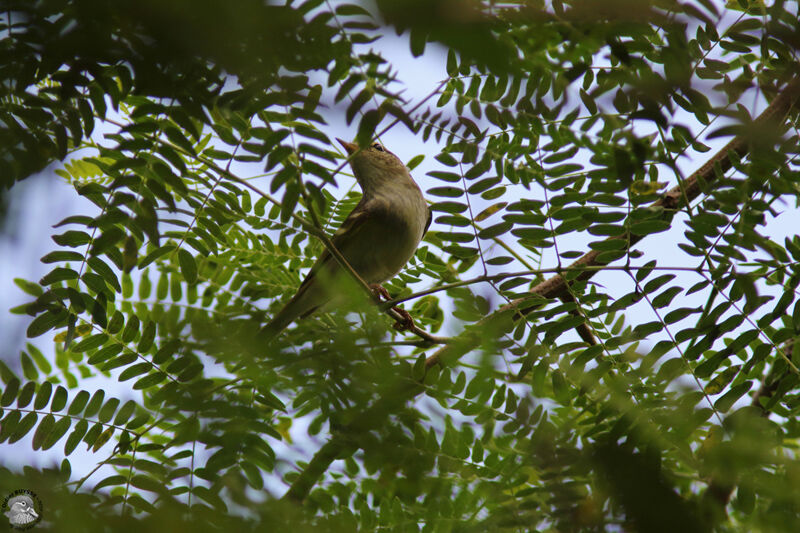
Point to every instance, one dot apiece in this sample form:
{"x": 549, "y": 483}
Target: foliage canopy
{"x": 565, "y": 137}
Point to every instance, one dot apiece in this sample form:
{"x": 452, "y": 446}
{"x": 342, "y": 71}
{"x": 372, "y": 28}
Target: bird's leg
{"x": 407, "y": 323}
{"x": 380, "y": 292}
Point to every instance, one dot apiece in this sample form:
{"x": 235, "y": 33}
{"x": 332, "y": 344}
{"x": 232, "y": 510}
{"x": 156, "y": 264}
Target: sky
{"x": 43, "y": 200}
{"x": 40, "y": 202}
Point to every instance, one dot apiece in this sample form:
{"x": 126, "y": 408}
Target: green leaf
{"x": 447, "y": 160}
{"x": 149, "y": 381}
{"x": 28, "y": 368}
{"x": 62, "y": 255}
{"x": 649, "y": 226}
{"x": 45, "y": 322}
{"x": 59, "y": 399}
{"x": 95, "y": 403}
{"x": 560, "y": 387}
{"x": 124, "y": 413}
{"x": 188, "y": 266}
{"x": 100, "y": 267}
{"x": 26, "y": 394}
{"x": 103, "y": 438}
{"x": 155, "y": 254}
{"x": 58, "y": 430}
{"x": 28, "y": 287}
{"x": 24, "y": 426}
{"x": 72, "y": 238}
{"x": 253, "y": 474}
{"x": 111, "y": 481}
{"x": 95, "y": 282}
{"x": 415, "y": 161}
{"x": 131, "y": 329}
{"x": 108, "y": 238}
{"x": 148, "y": 335}
{"x": 176, "y": 136}
{"x": 90, "y": 343}
{"x": 78, "y": 403}
{"x": 108, "y": 410}
{"x": 367, "y": 125}
{"x": 417, "y": 40}
{"x": 37, "y": 355}
{"x": 43, "y": 431}
{"x": 135, "y": 370}
{"x": 58, "y": 274}
{"x": 43, "y": 395}
{"x": 447, "y": 192}
{"x": 716, "y": 385}
{"x": 76, "y": 436}
{"x": 116, "y": 322}
{"x": 147, "y": 483}
{"x": 105, "y": 353}
{"x": 445, "y": 176}
{"x": 449, "y": 207}
{"x": 10, "y": 393}
{"x": 483, "y": 185}
{"x": 495, "y": 230}
{"x": 726, "y": 401}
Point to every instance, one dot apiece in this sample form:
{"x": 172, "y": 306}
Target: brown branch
{"x": 679, "y": 196}
{"x": 312, "y": 229}
{"x": 553, "y": 287}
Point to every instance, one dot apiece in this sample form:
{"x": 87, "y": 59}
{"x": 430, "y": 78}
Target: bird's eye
{"x": 378, "y": 147}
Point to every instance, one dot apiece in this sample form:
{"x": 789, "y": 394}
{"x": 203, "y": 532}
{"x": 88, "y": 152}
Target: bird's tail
{"x": 307, "y": 299}
{"x": 279, "y": 322}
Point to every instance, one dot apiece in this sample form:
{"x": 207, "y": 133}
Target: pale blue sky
{"x": 41, "y": 201}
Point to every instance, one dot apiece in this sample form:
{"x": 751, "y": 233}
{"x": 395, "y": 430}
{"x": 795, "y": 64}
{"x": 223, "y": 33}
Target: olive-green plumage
{"x": 377, "y": 238}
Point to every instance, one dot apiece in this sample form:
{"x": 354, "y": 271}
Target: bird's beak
{"x": 349, "y": 147}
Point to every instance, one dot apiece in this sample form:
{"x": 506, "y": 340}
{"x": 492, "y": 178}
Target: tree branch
{"x": 550, "y": 288}
{"x": 310, "y": 228}
{"x": 677, "y": 197}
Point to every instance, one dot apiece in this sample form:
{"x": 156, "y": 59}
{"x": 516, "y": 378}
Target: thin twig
{"x": 670, "y": 202}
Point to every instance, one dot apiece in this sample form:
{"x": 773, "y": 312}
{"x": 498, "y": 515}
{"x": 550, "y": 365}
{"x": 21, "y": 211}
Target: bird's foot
{"x": 381, "y": 293}
{"x": 407, "y": 323}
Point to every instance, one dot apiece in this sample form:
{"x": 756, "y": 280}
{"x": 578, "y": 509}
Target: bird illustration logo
{"x": 21, "y": 511}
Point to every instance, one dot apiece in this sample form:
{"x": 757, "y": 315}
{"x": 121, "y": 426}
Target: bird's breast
{"x": 402, "y": 216}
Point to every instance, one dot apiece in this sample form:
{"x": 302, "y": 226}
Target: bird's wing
{"x": 427, "y": 222}
{"x": 311, "y": 295}
{"x": 347, "y": 234}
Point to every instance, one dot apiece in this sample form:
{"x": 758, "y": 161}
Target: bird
{"x": 377, "y": 238}
{"x": 21, "y": 510}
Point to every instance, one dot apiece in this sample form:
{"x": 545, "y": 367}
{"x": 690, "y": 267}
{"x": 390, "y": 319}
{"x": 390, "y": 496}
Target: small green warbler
{"x": 377, "y": 238}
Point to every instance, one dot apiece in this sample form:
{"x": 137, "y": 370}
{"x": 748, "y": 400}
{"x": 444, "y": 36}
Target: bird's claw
{"x": 407, "y": 323}
{"x": 381, "y": 293}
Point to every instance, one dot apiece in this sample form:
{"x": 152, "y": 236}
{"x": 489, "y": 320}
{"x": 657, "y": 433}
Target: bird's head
{"x": 375, "y": 166}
